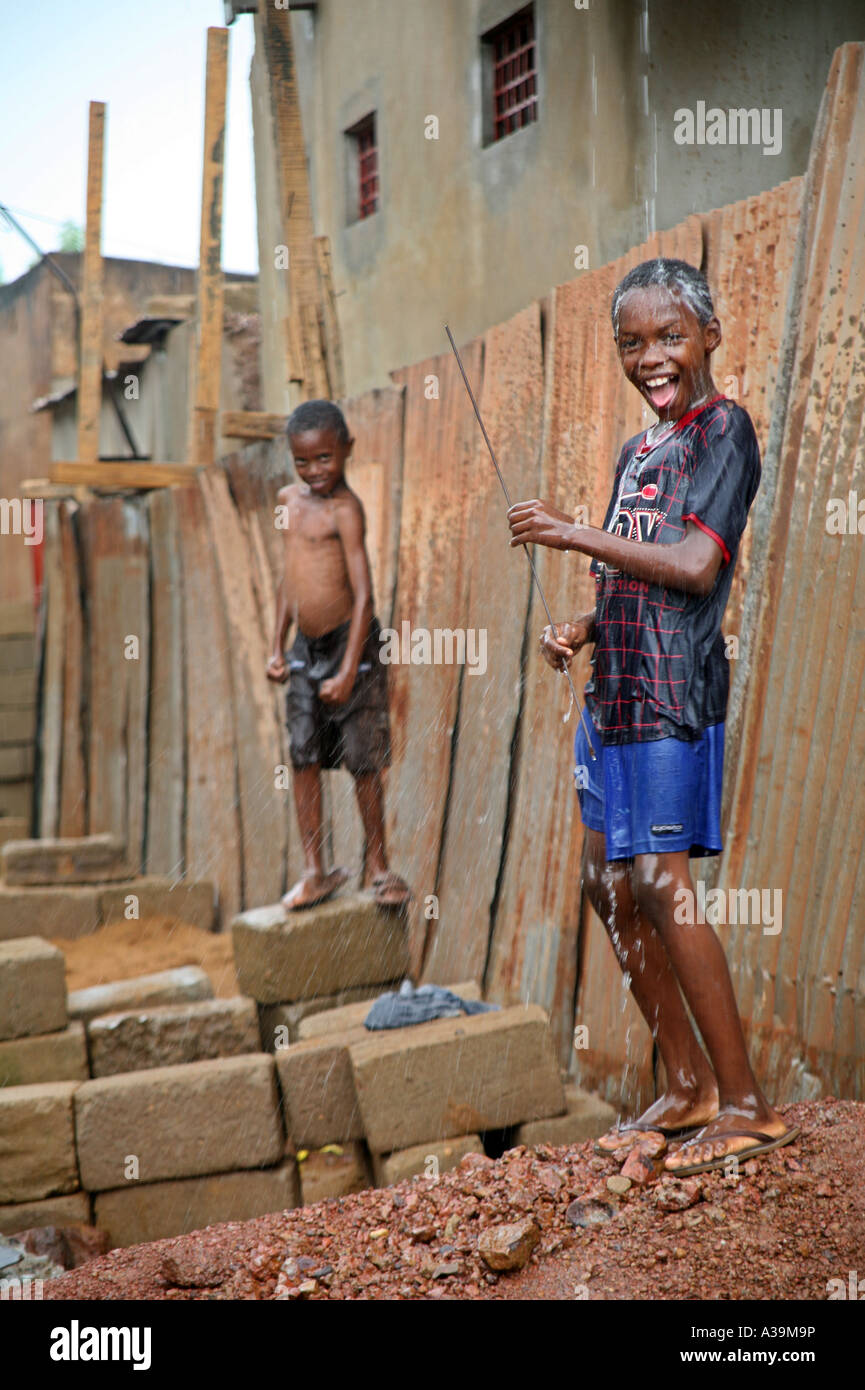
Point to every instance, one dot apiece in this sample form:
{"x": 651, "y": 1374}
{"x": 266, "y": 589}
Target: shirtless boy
{"x": 663, "y": 565}
{"x": 336, "y": 705}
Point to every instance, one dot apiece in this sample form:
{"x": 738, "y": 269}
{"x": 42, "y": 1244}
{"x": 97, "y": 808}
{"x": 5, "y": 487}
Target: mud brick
{"x": 170, "y": 1034}
{"x": 17, "y": 651}
{"x": 331, "y": 1174}
{"x": 17, "y": 689}
{"x": 73, "y": 1210}
{"x": 193, "y": 903}
{"x": 138, "y": 1213}
{"x": 183, "y": 985}
{"x": 586, "y": 1117}
{"x": 16, "y": 618}
{"x": 18, "y": 726}
{"x": 283, "y": 957}
{"x": 179, "y": 1122}
{"x": 16, "y": 761}
{"x": 32, "y": 987}
{"x": 88, "y": 859}
{"x": 50, "y": 912}
{"x": 317, "y": 1085}
{"x": 16, "y": 798}
{"x": 456, "y": 1076}
{"x": 46, "y": 1057}
{"x": 415, "y": 1162}
{"x": 291, "y": 1016}
{"x": 37, "y": 1141}
{"x": 352, "y": 1015}
{"x": 12, "y": 828}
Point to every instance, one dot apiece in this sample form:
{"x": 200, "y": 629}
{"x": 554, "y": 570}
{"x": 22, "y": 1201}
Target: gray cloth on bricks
{"x": 419, "y": 1005}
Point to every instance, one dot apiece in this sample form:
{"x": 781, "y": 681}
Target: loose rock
{"x": 509, "y": 1247}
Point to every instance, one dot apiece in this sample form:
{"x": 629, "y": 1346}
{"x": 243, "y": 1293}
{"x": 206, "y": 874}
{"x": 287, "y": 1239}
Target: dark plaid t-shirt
{"x": 659, "y": 664}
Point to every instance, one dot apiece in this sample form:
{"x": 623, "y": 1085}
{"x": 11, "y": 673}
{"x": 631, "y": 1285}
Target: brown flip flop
{"x": 389, "y": 890}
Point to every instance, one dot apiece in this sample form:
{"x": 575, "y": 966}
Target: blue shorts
{"x": 649, "y": 798}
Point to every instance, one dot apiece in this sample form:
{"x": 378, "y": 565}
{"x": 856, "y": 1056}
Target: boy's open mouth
{"x": 661, "y": 389}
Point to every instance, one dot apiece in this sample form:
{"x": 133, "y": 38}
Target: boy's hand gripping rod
{"x": 565, "y": 667}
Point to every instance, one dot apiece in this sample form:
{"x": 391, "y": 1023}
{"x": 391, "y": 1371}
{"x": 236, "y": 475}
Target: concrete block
{"x": 72, "y": 1210}
{"x": 16, "y": 761}
{"x": 586, "y": 1117}
{"x": 17, "y": 651}
{"x": 84, "y": 859}
{"x": 32, "y": 987}
{"x": 18, "y": 726}
{"x": 138, "y": 1213}
{"x": 183, "y": 985}
{"x": 416, "y": 1161}
{"x": 179, "y": 1122}
{"x": 12, "y": 828}
{"x": 283, "y": 957}
{"x": 16, "y": 617}
{"x": 170, "y": 1034}
{"x": 317, "y": 1085}
{"x": 16, "y": 798}
{"x": 50, "y": 912}
{"x": 37, "y": 1141}
{"x": 456, "y": 1076}
{"x": 352, "y": 1015}
{"x": 193, "y": 903}
{"x": 46, "y": 1057}
{"x": 17, "y": 689}
{"x": 329, "y": 1174}
{"x": 288, "y": 1017}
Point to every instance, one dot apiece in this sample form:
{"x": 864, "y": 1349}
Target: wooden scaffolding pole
{"x": 90, "y": 346}
{"x": 208, "y": 349}
{"x": 304, "y": 332}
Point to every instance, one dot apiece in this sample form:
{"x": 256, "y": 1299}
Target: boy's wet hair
{"x": 676, "y": 276}
{"x": 318, "y": 415}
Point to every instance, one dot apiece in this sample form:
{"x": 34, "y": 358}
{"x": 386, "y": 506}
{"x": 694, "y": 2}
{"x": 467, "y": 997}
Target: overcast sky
{"x": 146, "y": 61}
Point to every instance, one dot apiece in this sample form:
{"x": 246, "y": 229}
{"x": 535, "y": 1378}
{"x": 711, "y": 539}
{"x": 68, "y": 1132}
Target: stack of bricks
{"x": 145, "y": 1105}
{"x": 70, "y": 887}
{"x": 17, "y": 718}
{"x": 362, "y": 1105}
{"x": 153, "y": 1109}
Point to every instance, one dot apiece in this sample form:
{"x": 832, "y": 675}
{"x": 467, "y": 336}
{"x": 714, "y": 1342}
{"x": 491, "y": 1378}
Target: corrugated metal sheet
{"x": 797, "y": 801}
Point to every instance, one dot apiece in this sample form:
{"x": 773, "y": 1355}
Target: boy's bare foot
{"x": 732, "y": 1134}
{"x": 390, "y": 890}
{"x": 673, "y": 1115}
{"x": 312, "y": 888}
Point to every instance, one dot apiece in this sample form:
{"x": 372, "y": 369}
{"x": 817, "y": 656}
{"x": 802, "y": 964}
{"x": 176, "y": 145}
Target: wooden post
{"x": 303, "y": 335}
{"x": 208, "y": 357}
{"x": 330, "y": 319}
{"x": 90, "y": 360}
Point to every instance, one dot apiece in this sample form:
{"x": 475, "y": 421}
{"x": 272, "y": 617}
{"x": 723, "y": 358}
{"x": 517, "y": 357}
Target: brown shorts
{"x": 356, "y": 734}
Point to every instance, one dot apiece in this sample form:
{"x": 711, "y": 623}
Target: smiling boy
{"x": 336, "y": 705}
{"x": 663, "y": 565}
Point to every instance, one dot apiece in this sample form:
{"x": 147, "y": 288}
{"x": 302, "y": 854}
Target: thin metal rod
{"x": 543, "y": 599}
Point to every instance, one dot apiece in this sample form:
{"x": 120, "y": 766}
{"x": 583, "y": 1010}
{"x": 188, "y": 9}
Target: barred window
{"x": 513, "y": 86}
{"x": 364, "y": 156}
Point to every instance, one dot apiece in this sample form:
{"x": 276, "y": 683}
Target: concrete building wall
{"x": 470, "y": 233}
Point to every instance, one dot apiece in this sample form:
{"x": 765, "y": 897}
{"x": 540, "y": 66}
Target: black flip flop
{"x": 765, "y": 1145}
